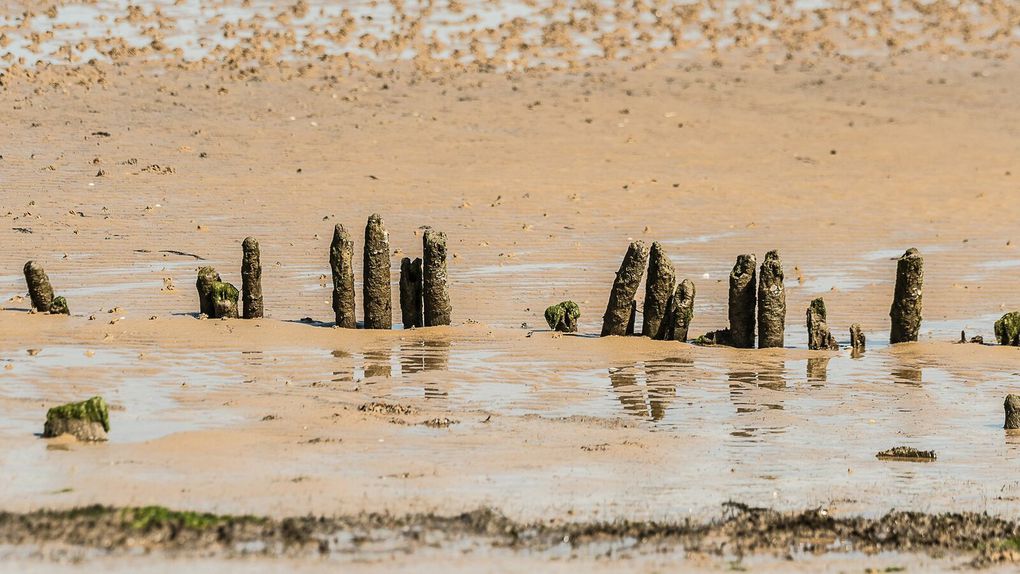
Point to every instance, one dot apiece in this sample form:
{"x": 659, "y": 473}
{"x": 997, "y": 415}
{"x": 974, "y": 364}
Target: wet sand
{"x": 122, "y": 178}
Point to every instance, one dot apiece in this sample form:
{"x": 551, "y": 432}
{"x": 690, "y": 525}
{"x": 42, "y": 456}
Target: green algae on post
{"x": 341, "y": 264}
{"x": 618, "y": 311}
{"x": 39, "y": 288}
{"x": 563, "y": 316}
{"x": 223, "y": 300}
{"x": 771, "y": 302}
{"x": 87, "y": 421}
{"x": 819, "y": 335}
{"x": 251, "y": 279}
{"x": 207, "y": 276}
{"x": 907, "y": 453}
{"x": 1007, "y": 329}
{"x": 659, "y": 289}
{"x": 59, "y": 307}
{"x": 906, "y": 308}
{"x": 742, "y": 299}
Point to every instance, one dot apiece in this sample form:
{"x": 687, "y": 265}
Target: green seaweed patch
{"x": 907, "y": 453}
{"x": 1007, "y": 329}
{"x": 59, "y": 307}
{"x": 148, "y": 517}
{"x": 563, "y": 316}
{"x": 92, "y": 410}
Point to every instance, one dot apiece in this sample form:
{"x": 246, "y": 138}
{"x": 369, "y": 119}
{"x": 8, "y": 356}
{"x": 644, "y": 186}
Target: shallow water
{"x": 754, "y": 425}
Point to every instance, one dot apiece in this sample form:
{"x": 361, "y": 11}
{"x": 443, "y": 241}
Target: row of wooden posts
{"x": 757, "y": 298}
{"x": 424, "y": 295}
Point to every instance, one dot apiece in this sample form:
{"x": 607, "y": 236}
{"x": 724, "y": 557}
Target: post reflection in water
{"x": 818, "y": 369}
{"x": 422, "y": 355}
{"x": 744, "y": 386}
{"x": 646, "y": 389}
{"x": 377, "y": 364}
{"x": 907, "y": 375}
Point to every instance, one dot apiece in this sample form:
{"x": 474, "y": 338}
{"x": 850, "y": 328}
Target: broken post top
{"x": 772, "y": 267}
{"x": 743, "y": 269}
{"x": 250, "y": 243}
{"x": 817, "y": 307}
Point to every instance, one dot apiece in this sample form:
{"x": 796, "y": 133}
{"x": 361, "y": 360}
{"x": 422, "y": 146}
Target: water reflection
{"x": 818, "y": 369}
{"x": 646, "y": 389}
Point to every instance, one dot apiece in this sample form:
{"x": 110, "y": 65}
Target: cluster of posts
{"x": 757, "y": 303}
{"x": 668, "y": 308}
{"x": 424, "y": 296}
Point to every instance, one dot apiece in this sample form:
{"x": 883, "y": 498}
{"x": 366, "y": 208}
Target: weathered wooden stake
{"x": 437, "y": 309}
{"x": 251, "y": 279}
{"x": 857, "y": 340}
{"x": 411, "y": 312}
{"x": 621, "y": 298}
{"x": 341, "y": 263}
{"x": 632, "y": 321}
{"x": 681, "y": 312}
{"x": 1012, "y": 406}
{"x": 377, "y": 294}
{"x": 207, "y": 277}
{"x": 742, "y": 301}
{"x": 906, "y": 308}
{"x": 771, "y": 303}
{"x": 658, "y": 289}
{"x": 39, "y": 288}
{"x": 819, "y": 336}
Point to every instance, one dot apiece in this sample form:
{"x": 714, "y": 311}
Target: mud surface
{"x": 975, "y": 539}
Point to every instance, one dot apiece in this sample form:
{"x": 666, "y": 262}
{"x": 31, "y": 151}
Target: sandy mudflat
{"x": 541, "y": 163}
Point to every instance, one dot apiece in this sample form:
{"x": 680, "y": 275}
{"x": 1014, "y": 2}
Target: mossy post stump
{"x": 625, "y": 286}
{"x": 1012, "y": 406}
{"x": 563, "y": 317}
{"x": 411, "y": 311}
{"x": 858, "y": 342}
{"x": 223, "y": 298}
{"x": 659, "y": 288}
{"x": 59, "y": 306}
{"x": 906, "y": 308}
{"x": 377, "y": 294}
{"x": 771, "y": 303}
{"x": 217, "y": 298}
{"x": 207, "y": 277}
{"x": 436, "y": 306}
{"x": 341, "y": 263}
{"x": 742, "y": 301}
{"x": 819, "y": 335}
{"x": 39, "y": 288}
{"x": 87, "y": 421}
{"x": 251, "y": 279}
{"x": 1007, "y": 329}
